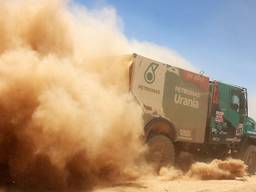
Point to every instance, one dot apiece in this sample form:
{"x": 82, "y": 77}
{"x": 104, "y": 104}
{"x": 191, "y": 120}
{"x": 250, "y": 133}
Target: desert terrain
{"x": 156, "y": 184}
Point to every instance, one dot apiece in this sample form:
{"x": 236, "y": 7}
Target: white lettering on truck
{"x": 181, "y": 97}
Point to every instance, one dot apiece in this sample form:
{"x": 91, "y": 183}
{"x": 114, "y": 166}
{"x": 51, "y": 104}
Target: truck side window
{"x": 235, "y": 103}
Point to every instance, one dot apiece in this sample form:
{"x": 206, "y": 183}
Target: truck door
{"x": 229, "y": 109}
{"x": 236, "y": 112}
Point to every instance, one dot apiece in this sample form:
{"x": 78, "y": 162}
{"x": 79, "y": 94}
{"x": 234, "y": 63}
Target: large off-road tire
{"x": 161, "y": 151}
{"x": 249, "y": 157}
{"x": 184, "y": 160}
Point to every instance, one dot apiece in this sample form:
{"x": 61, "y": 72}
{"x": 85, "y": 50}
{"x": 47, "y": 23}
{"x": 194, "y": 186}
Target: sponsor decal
{"x": 234, "y": 139}
{"x": 185, "y": 133}
{"x": 186, "y": 97}
{"x": 149, "y": 74}
{"x": 197, "y": 79}
{"x": 149, "y": 89}
{"x": 219, "y": 117}
{"x": 223, "y": 133}
{"x": 215, "y": 97}
{"x": 216, "y": 139}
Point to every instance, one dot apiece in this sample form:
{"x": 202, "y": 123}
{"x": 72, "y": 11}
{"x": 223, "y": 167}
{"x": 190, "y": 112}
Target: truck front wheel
{"x": 249, "y": 158}
{"x": 161, "y": 151}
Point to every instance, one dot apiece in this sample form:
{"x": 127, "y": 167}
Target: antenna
{"x": 201, "y": 73}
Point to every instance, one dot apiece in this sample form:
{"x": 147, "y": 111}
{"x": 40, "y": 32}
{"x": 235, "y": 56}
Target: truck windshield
{"x": 236, "y": 103}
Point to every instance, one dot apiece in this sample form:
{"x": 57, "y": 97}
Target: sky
{"x": 216, "y": 36}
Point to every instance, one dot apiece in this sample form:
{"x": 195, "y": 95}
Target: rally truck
{"x": 186, "y": 112}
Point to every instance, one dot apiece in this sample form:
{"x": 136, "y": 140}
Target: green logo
{"x": 149, "y": 74}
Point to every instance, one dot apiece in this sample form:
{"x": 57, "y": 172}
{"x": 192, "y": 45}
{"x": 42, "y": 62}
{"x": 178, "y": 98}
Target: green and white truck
{"x": 185, "y": 112}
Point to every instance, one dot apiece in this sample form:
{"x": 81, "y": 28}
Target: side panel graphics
{"x": 173, "y": 93}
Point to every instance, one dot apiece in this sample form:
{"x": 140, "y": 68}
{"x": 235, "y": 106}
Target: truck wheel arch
{"x": 160, "y": 126}
{"x": 161, "y": 151}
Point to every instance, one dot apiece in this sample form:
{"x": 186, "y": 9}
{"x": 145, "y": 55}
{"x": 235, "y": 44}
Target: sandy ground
{"x": 155, "y": 184}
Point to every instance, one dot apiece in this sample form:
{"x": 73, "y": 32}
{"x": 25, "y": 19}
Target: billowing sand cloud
{"x": 67, "y": 120}
{"x": 160, "y": 53}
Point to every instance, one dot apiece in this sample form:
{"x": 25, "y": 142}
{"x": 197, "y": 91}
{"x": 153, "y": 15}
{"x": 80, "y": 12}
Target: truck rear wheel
{"x": 249, "y": 158}
{"x": 184, "y": 160}
{"x": 161, "y": 151}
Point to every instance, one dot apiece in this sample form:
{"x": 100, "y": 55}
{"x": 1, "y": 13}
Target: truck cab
{"x": 228, "y": 113}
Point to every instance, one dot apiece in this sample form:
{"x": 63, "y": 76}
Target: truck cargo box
{"x": 175, "y": 94}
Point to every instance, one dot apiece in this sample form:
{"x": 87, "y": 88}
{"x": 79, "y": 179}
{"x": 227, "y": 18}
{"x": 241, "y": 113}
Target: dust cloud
{"x": 67, "y": 121}
{"x": 218, "y": 170}
{"x": 215, "y": 170}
